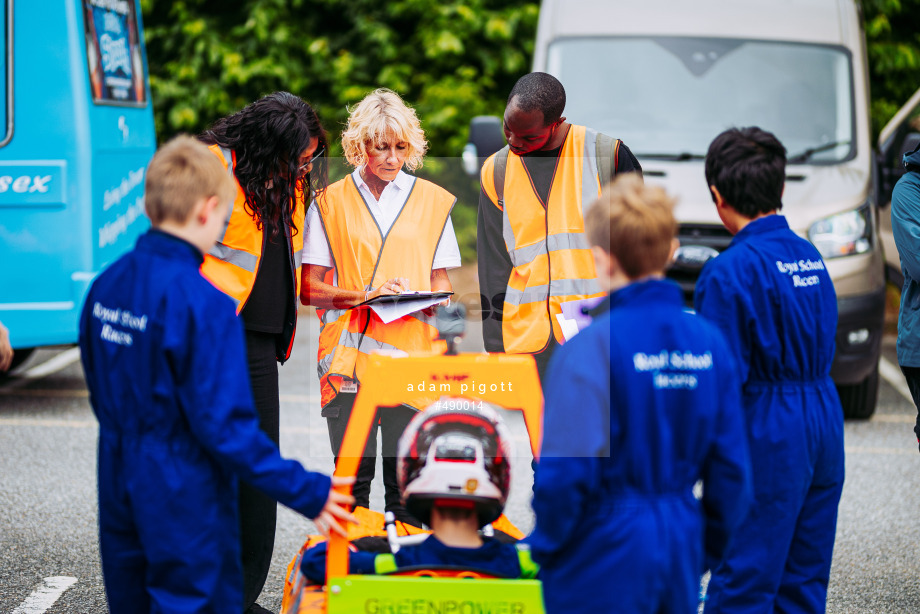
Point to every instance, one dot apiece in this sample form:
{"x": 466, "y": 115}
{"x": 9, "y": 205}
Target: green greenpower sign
{"x": 403, "y": 595}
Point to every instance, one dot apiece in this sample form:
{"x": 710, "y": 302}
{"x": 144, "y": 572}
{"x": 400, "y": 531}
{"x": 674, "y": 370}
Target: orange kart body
{"x": 392, "y": 381}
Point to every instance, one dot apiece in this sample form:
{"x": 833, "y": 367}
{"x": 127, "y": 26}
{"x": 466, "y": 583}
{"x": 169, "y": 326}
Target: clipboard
{"x": 391, "y": 307}
{"x": 404, "y": 297}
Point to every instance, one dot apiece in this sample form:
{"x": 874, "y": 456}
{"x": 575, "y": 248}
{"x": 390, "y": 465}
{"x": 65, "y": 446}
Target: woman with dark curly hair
{"x": 275, "y": 150}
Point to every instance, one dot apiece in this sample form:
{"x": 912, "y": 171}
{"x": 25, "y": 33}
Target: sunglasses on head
{"x": 303, "y": 167}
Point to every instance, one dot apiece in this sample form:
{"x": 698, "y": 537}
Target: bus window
{"x": 113, "y": 51}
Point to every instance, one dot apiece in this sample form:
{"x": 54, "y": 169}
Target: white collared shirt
{"x": 316, "y": 247}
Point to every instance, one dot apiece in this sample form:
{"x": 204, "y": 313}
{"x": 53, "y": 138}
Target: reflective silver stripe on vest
{"x": 331, "y": 315}
{"x": 228, "y": 156}
{"x": 298, "y": 259}
{"x": 527, "y": 254}
{"x": 352, "y": 340}
{"x": 323, "y": 366}
{"x": 553, "y": 243}
{"x": 507, "y": 231}
{"x": 238, "y": 257}
{"x": 557, "y": 287}
{"x": 589, "y": 171}
{"x": 533, "y": 294}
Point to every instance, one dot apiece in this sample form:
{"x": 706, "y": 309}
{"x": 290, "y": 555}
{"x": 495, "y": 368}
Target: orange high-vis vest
{"x": 364, "y": 259}
{"x": 233, "y": 262}
{"x": 550, "y": 256}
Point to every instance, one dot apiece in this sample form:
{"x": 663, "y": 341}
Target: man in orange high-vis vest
{"x": 273, "y": 149}
{"x": 378, "y": 231}
{"x": 533, "y": 255}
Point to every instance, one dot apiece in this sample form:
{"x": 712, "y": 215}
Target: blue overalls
{"x": 165, "y": 364}
{"x": 639, "y": 406}
{"x": 772, "y": 297}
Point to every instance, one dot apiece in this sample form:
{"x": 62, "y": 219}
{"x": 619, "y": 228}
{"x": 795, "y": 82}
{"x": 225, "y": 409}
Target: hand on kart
{"x": 390, "y": 287}
{"x": 328, "y": 519}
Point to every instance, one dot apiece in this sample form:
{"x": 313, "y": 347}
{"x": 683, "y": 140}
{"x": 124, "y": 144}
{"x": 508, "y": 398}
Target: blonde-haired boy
{"x": 640, "y": 406}
{"x": 165, "y": 363}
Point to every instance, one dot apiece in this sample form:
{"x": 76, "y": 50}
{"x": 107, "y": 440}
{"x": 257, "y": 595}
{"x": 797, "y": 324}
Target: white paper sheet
{"x": 569, "y": 327}
{"x": 390, "y": 308}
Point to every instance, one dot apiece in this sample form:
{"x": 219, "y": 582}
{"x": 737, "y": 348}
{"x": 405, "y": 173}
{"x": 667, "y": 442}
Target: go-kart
{"x": 428, "y": 591}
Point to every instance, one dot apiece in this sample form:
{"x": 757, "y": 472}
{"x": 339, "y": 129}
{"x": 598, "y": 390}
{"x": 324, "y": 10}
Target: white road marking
{"x": 893, "y": 376}
{"x": 52, "y": 365}
{"x": 45, "y": 595}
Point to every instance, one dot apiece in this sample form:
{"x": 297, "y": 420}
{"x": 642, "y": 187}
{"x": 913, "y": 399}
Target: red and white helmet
{"x": 455, "y": 457}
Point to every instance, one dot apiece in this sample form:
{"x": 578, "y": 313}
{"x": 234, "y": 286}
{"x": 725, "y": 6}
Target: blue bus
{"x": 77, "y": 134}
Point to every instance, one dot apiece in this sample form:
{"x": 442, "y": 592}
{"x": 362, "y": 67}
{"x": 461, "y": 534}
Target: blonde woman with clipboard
{"x": 379, "y": 231}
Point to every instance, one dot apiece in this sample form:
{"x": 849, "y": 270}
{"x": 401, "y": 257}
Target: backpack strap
{"x": 607, "y": 150}
{"x": 498, "y": 174}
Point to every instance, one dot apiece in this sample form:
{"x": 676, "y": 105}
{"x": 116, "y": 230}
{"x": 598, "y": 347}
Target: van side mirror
{"x": 486, "y": 137}
{"x": 911, "y": 141}
{"x": 891, "y": 167}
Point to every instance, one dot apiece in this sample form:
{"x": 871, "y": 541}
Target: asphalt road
{"x": 48, "y": 500}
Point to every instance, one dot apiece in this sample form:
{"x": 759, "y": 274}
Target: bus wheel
{"x": 19, "y": 356}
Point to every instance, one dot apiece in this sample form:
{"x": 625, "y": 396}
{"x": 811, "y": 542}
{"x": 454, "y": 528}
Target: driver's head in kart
{"x": 454, "y": 473}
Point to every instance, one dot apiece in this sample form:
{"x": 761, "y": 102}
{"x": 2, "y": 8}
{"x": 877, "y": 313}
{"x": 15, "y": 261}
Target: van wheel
{"x": 859, "y": 400}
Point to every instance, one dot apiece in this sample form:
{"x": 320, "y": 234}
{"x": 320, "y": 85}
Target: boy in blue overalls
{"x": 772, "y": 297}
{"x": 165, "y": 365}
{"x": 639, "y": 407}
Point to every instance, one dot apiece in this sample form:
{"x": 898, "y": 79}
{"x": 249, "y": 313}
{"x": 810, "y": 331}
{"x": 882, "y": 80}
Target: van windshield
{"x": 668, "y": 97}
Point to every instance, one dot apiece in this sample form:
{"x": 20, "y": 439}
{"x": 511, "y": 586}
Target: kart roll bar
{"x": 508, "y": 381}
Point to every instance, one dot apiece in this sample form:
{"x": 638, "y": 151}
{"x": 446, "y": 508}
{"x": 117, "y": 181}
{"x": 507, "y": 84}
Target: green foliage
{"x": 893, "y": 38}
{"x": 450, "y": 59}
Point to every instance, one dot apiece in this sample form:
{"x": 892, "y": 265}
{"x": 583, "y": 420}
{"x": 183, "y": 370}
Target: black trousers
{"x": 542, "y": 360}
{"x": 258, "y": 512}
{"x": 391, "y": 422}
{"x": 912, "y": 375}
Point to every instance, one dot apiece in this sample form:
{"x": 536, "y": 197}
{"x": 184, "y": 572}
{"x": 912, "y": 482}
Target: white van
{"x": 667, "y": 76}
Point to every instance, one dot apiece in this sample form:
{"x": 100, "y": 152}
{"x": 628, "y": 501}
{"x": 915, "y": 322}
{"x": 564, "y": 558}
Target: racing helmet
{"x": 455, "y": 456}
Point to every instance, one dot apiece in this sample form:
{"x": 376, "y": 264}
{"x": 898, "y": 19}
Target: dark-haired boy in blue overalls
{"x": 640, "y": 406}
{"x": 772, "y": 297}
